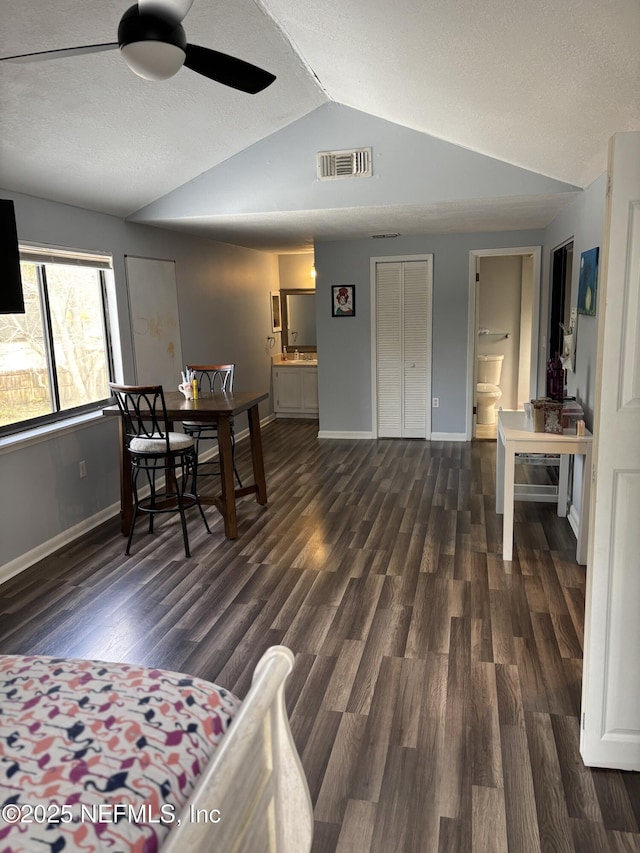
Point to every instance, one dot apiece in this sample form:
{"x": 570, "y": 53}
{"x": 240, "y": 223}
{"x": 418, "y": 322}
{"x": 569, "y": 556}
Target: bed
{"x": 117, "y": 757}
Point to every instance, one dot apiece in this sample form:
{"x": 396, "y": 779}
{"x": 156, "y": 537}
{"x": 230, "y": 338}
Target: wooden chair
{"x": 153, "y": 449}
{"x": 211, "y": 378}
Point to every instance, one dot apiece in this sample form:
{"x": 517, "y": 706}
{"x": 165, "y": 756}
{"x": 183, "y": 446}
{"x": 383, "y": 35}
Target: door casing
{"x": 474, "y": 255}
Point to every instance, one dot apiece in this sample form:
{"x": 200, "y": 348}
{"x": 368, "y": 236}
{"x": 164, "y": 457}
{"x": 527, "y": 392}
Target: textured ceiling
{"x": 296, "y": 230}
{"x": 538, "y": 85}
{"x": 87, "y": 131}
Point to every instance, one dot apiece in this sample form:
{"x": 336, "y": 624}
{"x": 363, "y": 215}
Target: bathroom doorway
{"x": 503, "y": 330}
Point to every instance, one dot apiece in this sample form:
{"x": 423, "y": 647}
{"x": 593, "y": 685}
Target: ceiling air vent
{"x": 354, "y": 163}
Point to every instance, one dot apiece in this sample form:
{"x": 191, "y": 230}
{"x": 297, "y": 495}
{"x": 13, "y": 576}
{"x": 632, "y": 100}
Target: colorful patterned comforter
{"x": 100, "y": 756}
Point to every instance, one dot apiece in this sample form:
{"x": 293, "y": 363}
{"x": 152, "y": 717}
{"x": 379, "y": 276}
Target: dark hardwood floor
{"x": 436, "y": 692}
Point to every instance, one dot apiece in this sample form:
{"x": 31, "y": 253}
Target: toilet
{"x": 487, "y": 390}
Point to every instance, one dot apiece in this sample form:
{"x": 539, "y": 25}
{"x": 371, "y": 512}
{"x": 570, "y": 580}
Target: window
{"x": 55, "y": 359}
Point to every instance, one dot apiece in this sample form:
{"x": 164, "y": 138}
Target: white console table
{"x": 514, "y": 436}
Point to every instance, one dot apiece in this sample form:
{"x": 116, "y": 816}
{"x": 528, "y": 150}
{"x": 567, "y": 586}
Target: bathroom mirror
{"x": 298, "y": 320}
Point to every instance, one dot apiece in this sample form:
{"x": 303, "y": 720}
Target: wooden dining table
{"x": 220, "y": 408}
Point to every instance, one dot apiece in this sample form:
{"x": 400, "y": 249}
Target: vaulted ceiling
{"x": 540, "y": 86}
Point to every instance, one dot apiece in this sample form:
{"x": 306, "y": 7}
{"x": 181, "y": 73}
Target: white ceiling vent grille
{"x": 354, "y": 163}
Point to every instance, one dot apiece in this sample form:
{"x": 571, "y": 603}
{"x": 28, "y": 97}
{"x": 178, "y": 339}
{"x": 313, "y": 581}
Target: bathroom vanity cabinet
{"x": 295, "y": 389}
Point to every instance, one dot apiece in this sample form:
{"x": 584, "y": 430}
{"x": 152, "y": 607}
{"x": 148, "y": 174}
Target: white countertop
{"x": 290, "y": 362}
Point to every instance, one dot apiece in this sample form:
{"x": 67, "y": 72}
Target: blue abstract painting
{"x": 588, "y": 282}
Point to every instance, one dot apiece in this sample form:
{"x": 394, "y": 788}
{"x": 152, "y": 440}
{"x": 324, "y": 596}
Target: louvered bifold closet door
{"x": 415, "y": 309}
{"x": 389, "y": 349}
{"x": 403, "y": 366}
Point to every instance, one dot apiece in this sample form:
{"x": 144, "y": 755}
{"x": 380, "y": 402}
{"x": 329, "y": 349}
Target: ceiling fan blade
{"x": 61, "y": 53}
{"x": 171, "y": 11}
{"x": 227, "y": 69}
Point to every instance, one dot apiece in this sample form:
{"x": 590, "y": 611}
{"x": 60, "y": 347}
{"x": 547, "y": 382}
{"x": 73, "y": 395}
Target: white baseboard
{"x": 24, "y": 561}
{"x": 435, "y": 436}
{"x": 307, "y": 416}
{"x": 45, "y": 549}
{"x": 263, "y": 422}
{"x": 574, "y": 520}
{"x": 449, "y": 436}
{"x": 327, "y": 433}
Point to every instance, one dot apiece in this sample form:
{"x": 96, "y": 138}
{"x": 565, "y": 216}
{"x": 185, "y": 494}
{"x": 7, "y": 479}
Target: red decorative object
{"x": 556, "y": 377}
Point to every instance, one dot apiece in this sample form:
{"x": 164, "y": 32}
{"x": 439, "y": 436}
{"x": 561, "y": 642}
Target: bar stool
{"x": 153, "y": 449}
{"x": 211, "y": 378}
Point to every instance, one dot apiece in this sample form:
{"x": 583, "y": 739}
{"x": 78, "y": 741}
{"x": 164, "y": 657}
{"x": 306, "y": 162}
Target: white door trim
{"x": 389, "y": 259}
{"x": 474, "y": 254}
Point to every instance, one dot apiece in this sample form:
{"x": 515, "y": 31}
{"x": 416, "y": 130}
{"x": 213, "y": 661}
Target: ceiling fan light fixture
{"x": 154, "y": 46}
{"x": 151, "y": 47}
{"x": 153, "y": 60}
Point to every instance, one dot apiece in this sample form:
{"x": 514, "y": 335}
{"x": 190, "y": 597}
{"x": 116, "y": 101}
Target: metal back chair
{"x": 153, "y": 449}
{"x": 211, "y": 378}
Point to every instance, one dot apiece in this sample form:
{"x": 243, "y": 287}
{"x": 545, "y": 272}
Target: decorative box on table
{"x": 572, "y": 412}
{"x": 547, "y": 415}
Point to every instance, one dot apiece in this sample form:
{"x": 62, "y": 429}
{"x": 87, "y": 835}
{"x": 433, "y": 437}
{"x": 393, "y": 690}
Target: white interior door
{"x": 610, "y": 735}
{"x": 415, "y": 341}
{"x": 389, "y": 349}
{"x": 403, "y": 348}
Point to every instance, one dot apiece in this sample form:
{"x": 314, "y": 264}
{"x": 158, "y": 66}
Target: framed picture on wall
{"x": 276, "y": 313}
{"x": 588, "y": 282}
{"x": 343, "y": 300}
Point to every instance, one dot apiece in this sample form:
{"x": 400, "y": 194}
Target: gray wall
{"x": 223, "y": 301}
{"x": 344, "y": 344}
{"x": 583, "y": 220}
{"x": 295, "y": 271}
{"x": 409, "y": 167}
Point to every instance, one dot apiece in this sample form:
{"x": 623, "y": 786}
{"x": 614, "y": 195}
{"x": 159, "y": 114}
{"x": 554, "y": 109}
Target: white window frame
{"x": 44, "y": 255}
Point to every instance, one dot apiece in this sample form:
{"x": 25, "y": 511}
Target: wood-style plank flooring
{"x": 486, "y": 431}
{"x": 436, "y": 692}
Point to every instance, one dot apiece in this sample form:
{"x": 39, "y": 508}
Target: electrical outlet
{"x": 83, "y": 469}
{"x": 436, "y": 402}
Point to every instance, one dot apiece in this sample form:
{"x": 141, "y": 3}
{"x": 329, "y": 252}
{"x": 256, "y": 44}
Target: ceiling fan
{"x": 154, "y": 45}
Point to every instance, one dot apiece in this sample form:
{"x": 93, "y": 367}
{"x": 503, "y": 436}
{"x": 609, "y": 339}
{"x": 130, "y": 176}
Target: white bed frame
{"x": 253, "y": 796}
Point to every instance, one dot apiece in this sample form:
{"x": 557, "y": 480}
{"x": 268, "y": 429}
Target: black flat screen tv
{"x": 11, "y": 298}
